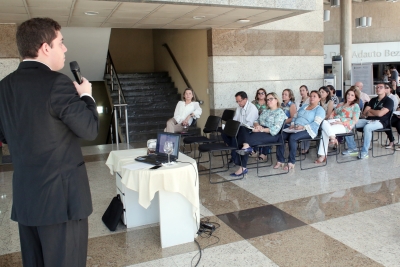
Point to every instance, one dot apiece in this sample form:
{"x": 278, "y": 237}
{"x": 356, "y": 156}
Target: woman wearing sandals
{"x": 347, "y": 115}
{"x": 307, "y": 121}
{"x": 305, "y": 99}
{"x": 266, "y": 130}
{"x": 261, "y": 104}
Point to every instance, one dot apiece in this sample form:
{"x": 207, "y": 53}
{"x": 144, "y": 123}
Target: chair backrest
{"x": 227, "y": 115}
{"x": 231, "y": 128}
{"x": 212, "y": 124}
{"x": 194, "y": 122}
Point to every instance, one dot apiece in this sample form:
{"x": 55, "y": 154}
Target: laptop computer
{"x": 160, "y": 156}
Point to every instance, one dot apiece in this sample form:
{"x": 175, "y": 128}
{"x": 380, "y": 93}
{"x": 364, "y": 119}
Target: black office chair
{"x": 211, "y": 126}
{"x": 338, "y": 149}
{"x": 231, "y": 129}
{"x": 227, "y": 115}
{"x": 260, "y": 147}
{"x": 379, "y": 131}
{"x": 317, "y": 139}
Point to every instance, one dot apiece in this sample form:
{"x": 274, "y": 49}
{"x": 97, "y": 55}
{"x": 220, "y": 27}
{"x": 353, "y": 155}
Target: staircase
{"x": 151, "y": 99}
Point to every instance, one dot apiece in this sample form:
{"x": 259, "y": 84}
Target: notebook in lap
{"x": 160, "y": 156}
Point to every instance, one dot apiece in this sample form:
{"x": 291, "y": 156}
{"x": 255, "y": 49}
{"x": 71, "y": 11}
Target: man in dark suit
{"x": 43, "y": 115}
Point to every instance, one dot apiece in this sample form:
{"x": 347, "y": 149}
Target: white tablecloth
{"x": 180, "y": 178}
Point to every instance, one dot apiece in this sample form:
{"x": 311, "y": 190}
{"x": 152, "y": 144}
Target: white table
{"x": 168, "y": 195}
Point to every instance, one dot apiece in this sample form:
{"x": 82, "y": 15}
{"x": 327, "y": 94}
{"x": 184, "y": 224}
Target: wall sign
{"x": 368, "y": 52}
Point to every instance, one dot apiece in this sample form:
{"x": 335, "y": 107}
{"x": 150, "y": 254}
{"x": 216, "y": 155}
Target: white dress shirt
{"x": 182, "y": 111}
{"x": 246, "y": 115}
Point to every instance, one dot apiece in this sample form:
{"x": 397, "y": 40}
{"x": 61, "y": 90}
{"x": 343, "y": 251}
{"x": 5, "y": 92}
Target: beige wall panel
{"x": 8, "y": 65}
{"x": 264, "y": 68}
{"x": 264, "y": 43}
{"x": 385, "y": 23}
{"x": 190, "y": 50}
{"x": 311, "y": 21}
{"x": 8, "y": 43}
{"x": 132, "y": 50}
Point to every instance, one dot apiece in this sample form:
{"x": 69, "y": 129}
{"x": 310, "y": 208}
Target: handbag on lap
{"x": 113, "y": 213}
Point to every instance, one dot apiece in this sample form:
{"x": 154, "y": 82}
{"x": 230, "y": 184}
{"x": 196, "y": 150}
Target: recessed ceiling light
{"x": 243, "y": 20}
{"x": 199, "y": 17}
{"x": 91, "y": 13}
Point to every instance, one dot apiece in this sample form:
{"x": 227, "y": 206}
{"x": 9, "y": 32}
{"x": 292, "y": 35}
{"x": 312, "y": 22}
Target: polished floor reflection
{"x": 339, "y": 215}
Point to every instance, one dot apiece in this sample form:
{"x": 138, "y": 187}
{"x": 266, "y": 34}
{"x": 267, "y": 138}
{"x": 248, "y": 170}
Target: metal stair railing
{"x": 117, "y": 108}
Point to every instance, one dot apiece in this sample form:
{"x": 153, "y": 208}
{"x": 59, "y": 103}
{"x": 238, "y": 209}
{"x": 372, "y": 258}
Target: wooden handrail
{"x": 181, "y": 72}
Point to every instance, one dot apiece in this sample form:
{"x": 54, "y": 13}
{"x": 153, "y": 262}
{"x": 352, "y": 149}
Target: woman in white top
{"x": 185, "y": 112}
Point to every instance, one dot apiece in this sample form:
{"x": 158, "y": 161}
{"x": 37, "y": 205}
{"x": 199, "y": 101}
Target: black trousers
{"x": 61, "y": 245}
{"x": 394, "y": 123}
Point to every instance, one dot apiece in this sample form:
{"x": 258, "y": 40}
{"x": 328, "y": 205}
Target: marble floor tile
{"x": 165, "y": 262}
{"x": 11, "y": 260}
{"x": 226, "y": 197}
{"x": 260, "y": 221}
{"x": 343, "y": 202}
{"x": 306, "y": 246}
{"x": 142, "y": 245}
{"x": 365, "y": 231}
{"x": 239, "y": 253}
{"x": 386, "y": 255}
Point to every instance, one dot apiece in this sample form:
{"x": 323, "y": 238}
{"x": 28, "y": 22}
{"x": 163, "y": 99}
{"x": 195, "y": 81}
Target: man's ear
{"x": 44, "y": 49}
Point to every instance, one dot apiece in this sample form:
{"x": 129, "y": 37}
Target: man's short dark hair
{"x": 242, "y": 94}
{"x": 33, "y": 33}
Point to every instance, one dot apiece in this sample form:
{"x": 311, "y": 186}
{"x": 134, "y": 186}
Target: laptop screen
{"x": 162, "y": 137}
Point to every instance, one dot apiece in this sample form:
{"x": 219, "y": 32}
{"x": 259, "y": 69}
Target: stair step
{"x": 159, "y": 80}
{"x": 138, "y": 75}
{"x": 146, "y": 98}
{"x": 147, "y": 92}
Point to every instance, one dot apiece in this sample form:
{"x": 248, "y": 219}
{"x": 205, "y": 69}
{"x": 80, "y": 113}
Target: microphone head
{"x": 74, "y": 66}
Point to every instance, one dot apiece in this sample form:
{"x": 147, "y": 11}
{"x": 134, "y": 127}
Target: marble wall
{"x": 385, "y": 23}
{"x": 274, "y": 56}
{"x": 9, "y": 57}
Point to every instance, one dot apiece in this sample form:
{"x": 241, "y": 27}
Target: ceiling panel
{"x": 135, "y": 15}
{"x": 83, "y": 19}
{"x": 13, "y": 9}
{"x": 137, "y": 7}
{"x": 49, "y": 3}
{"x": 123, "y": 20}
{"x": 11, "y": 3}
{"x": 102, "y": 12}
{"x": 41, "y": 12}
{"x": 95, "y": 5}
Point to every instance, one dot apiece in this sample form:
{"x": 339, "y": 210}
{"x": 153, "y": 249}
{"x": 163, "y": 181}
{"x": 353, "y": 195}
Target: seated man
{"x": 246, "y": 113}
{"x": 377, "y": 114}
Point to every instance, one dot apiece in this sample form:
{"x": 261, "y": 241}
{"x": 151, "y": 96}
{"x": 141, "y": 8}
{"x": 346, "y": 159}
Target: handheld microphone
{"x": 76, "y": 71}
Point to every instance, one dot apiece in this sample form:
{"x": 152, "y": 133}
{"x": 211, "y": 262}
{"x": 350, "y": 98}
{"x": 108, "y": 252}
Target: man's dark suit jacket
{"x": 42, "y": 119}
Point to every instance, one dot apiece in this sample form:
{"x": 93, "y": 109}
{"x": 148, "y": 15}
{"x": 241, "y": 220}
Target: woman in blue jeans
{"x": 266, "y": 130}
{"x": 306, "y": 121}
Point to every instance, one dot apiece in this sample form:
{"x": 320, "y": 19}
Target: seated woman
{"x": 347, "y": 113}
{"x": 266, "y": 130}
{"x": 326, "y": 101}
{"x": 260, "y": 101}
{"x": 185, "y": 112}
{"x": 334, "y": 98}
{"x": 307, "y": 120}
{"x": 305, "y": 99}
{"x": 261, "y": 105}
{"x": 288, "y": 105}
